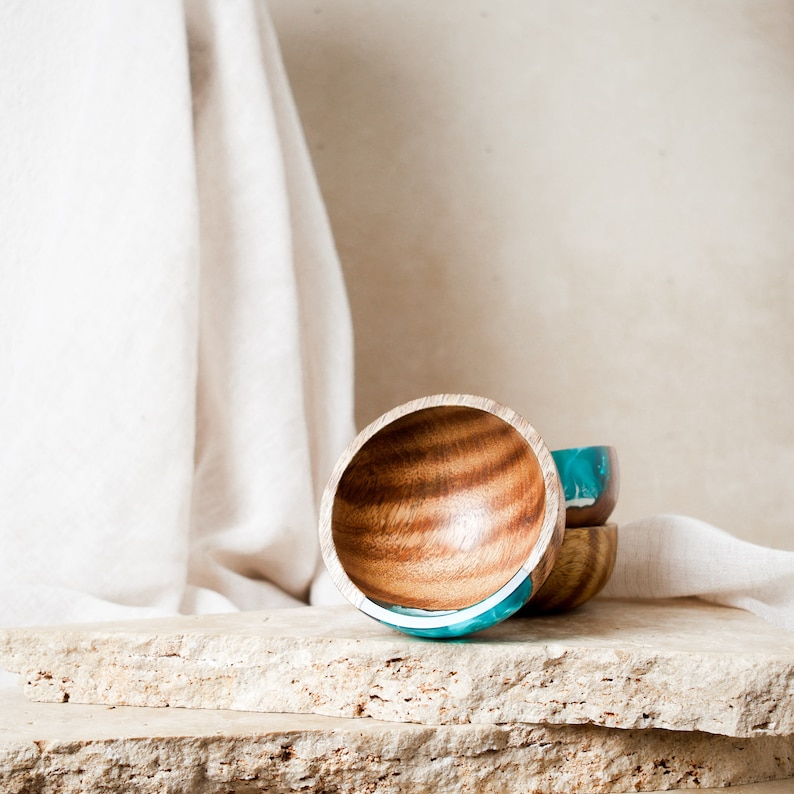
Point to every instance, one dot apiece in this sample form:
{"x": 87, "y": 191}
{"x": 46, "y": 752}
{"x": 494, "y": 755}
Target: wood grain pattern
{"x": 583, "y": 566}
{"x": 439, "y": 508}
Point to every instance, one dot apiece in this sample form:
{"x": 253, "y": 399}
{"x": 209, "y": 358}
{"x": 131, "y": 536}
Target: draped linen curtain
{"x": 175, "y": 341}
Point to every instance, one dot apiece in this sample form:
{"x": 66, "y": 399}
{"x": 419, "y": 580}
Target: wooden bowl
{"x": 443, "y": 516}
{"x": 591, "y": 481}
{"x": 583, "y": 567}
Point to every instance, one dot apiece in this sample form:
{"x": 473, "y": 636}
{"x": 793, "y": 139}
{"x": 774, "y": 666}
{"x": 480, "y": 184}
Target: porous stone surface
{"x": 46, "y": 747}
{"x": 678, "y": 665}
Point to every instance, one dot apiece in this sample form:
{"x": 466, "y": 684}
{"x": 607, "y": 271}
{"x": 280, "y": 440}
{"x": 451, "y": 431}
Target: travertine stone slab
{"x": 678, "y": 665}
{"x": 46, "y": 747}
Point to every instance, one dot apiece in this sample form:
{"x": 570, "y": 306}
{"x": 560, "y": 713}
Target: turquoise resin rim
{"x": 584, "y": 473}
{"x": 455, "y": 623}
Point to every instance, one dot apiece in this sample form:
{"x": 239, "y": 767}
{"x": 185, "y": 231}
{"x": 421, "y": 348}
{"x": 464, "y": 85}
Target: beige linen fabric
{"x": 176, "y": 348}
{"x": 667, "y": 556}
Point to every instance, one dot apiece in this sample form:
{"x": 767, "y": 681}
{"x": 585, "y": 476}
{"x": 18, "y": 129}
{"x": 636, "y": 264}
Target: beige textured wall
{"x": 581, "y": 208}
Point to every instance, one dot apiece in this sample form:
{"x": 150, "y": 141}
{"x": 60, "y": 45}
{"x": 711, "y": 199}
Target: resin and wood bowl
{"x": 591, "y": 481}
{"x": 443, "y": 516}
{"x": 582, "y": 568}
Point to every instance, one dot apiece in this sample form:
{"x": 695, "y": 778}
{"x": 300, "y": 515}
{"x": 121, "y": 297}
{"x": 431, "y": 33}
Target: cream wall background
{"x": 581, "y": 208}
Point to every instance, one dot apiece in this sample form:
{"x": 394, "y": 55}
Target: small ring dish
{"x": 443, "y": 516}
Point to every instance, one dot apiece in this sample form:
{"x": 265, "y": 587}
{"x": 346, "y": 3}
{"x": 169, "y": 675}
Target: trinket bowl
{"x": 443, "y": 516}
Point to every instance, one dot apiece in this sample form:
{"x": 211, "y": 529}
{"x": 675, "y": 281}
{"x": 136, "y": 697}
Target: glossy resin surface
{"x": 591, "y": 481}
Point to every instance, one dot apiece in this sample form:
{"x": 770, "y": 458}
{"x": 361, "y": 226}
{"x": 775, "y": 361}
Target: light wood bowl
{"x": 581, "y": 571}
{"x": 443, "y": 515}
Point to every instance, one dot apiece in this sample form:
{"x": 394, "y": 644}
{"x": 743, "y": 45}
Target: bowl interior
{"x": 438, "y": 509}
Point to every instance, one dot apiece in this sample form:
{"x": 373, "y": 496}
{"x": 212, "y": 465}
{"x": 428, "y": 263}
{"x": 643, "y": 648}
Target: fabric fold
{"x": 275, "y": 368}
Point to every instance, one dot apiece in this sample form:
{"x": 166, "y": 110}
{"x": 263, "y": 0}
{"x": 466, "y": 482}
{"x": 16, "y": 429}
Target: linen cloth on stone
{"x": 176, "y": 362}
{"x": 668, "y": 556}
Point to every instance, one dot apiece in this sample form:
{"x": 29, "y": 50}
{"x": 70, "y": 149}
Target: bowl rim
{"x": 532, "y": 569}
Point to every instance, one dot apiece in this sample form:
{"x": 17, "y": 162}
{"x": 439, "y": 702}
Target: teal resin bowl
{"x": 591, "y": 482}
{"x": 443, "y": 516}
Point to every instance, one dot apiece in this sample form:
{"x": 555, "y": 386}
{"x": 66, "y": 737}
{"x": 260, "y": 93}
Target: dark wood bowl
{"x": 582, "y": 569}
